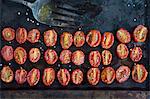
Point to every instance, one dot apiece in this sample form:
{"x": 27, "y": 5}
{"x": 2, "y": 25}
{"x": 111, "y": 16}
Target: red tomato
{"x": 136, "y": 54}
{"x": 34, "y": 55}
{"x": 21, "y": 76}
{"x": 107, "y": 40}
{"x": 106, "y": 57}
{"x": 140, "y": 33}
{"x": 8, "y": 34}
{"x": 50, "y": 56}
{"x": 93, "y": 76}
{"x": 33, "y": 35}
{"x": 21, "y": 35}
{"x": 33, "y": 77}
{"x": 63, "y": 76}
{"x": 48, "y": 76}
{"x": 7, "y": 74}
{"x": 77, "y": 76}
{"x": 93, "y": 38}
{"x": 66, "y": 40}
{"x": 139, "y": 73}
{"x": 78, "y": 57}
{"x": 122, "y": 51}
{"x": 108, "y": 75}
{"x": 122, "y": 74}
{"x": 79, "y": 38}
{"x": 7, "y": 53}
{"x": 65, "y": 56}
{"x": 123, "y": 35}
{"x": 20, "y": 55}
{"x": 94, "y": 58}
{"x": 50, "y": 37}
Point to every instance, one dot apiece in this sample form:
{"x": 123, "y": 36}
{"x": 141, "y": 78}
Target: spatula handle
{"x": 26, "y": 3}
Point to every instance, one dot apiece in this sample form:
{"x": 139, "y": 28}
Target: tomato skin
{"x": 136, "y": 54}
{"x": 106, "y": 57}
{"x": 94, "y": 58}
{"x": 8, "y": 34}
{"x": 64, "y": 81}
{"x": 79, "y": 39}
{"x": 139, "y": 31}
{"x": 77, "y": 76}
{"x": 107, "y": 40}
{"x": 34, "y": 55}
{"x": 65, "y": 56}
{"x": 20, "y": 76}
{"x": 33, "y": 35}
{"x": 7, "y": 53}
{"x": 92, "y": 35}
{"x": 21, "y": 35}
{"x": 50, "y": 37}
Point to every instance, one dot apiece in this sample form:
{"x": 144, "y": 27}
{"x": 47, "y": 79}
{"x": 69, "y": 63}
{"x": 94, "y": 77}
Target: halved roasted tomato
{"x": 50, "y": 56}
{"x": 48, "y": 76}
{"x": 108, "y": 75}
{"x": 93, "y": 38}
{"x": 34, "y": 55}
{"x": 21, "y": 35}
{"x": 106, "y": 57}
{"x": 107, "y": 40}
{"x": 122, "y": 51}
{"x": 79, "y": 38}
{"x": 21, "y": 76}
{"x": 66, "y": 40}
{"x": 33, "y": 35}
{"x": 139, "y": 73}
{"x": 136, "y": 54}
{"x": 7, "y": 53}
{"x": 50, "y": 37}
{"x": 140, "y": 33}
{"x": 78, "y": 57}
{"x": 94, "y": 58}
{"x": 65, "y": 56}
{"x": 63, "y": 76}
{"x": 93, "y": 76}
{"x": 122, "y": 74}
{"x": 20, "y": 55}
{"x": 8, "y": 34}
{"x": 33, "y": 76}
{"x": 123, "y": 35}
{"x": 7, "y": 74}
{"x": 77, "y": 76}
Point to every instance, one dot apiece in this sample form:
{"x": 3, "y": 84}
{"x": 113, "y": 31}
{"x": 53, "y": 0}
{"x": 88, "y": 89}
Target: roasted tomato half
{"x": 33, "y": 76}
{"x": 7, "y": 74}
{"x": 106, "y": 57}
{"x": 136, "y": 54}
{"x": 122, "y": 51}
{"x": 139, "y": 73}
{"x": 7, "y": 53}
{"x": 79, "y": 38}
{"x": 20, "y": 55}
{"x": 78, "y": 57}
{"x": 66, "y": 40}
{"x": 122, "y": 74}
{"x": 77, "y": 76}
{"x": 8, "y": 34}
{"x": 33, "y": 35}
{"x": 140, "y": 33}
{"x": 21, "y": 76}
{"x": 50, "y": 56}
{"x": 34, "y": 55}
{"x": 93, "y": 38}
{"x": 63, "y": 76}
{"x": 65, "y": 56}
{"x": 108, "y": 75}
{"x": 21, "y": 35}
{"x": 48, "y": 76}
{"x": 123, "y": 35}
{"x": 50, "y": 37}
{"x": 107, "y": 40}
{"x": 93, "y": 76}
{"x": 94, "y": 58}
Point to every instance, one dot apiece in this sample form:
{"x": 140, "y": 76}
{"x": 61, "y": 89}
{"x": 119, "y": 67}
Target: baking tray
{"x": 113, "y": 15}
